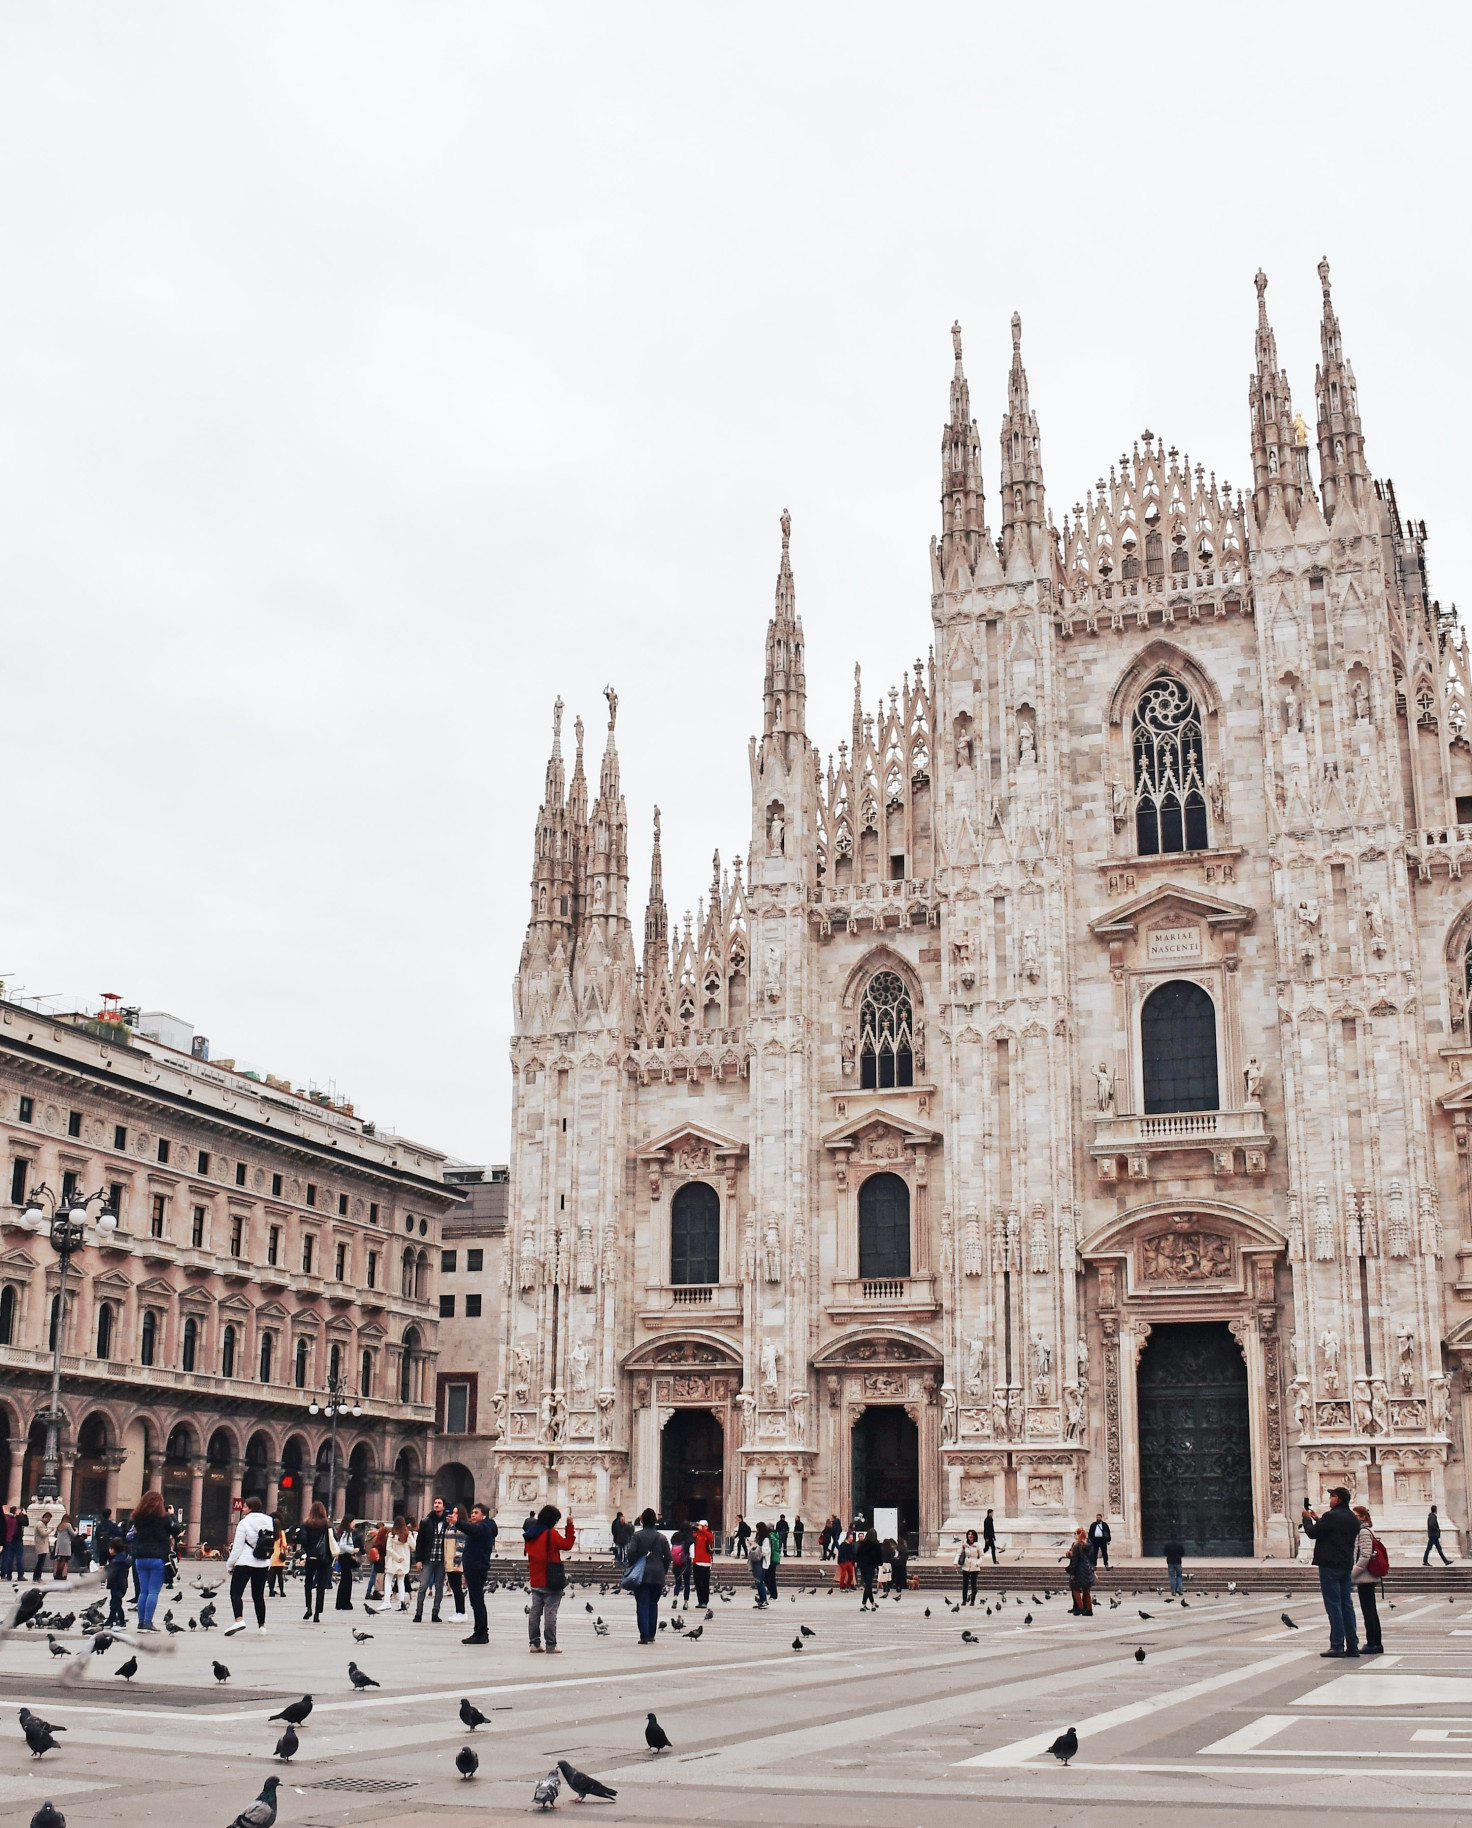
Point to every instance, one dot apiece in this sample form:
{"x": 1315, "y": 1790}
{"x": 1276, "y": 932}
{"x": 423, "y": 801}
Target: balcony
{"x": 692, "y": 1304}
{"x": 1223, "y": 1133}
{"x": 890, "y": 1297}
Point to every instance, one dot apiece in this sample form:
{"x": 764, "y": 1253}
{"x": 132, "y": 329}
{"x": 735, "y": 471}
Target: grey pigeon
{"x": 361, "y": 1637}
{"x": 27, "y": 1719}
{"x": 466, "y": 1762}
{"x": 1065, "y": 1746}
{"x": 127, "y": 1670}
{"x": 545, "y": 1794}
{"x": 48, "y": 1816}
{"x": 601, "y": 1630}
{"x": 222, "y": 1674}
{"x": 471, "y": 1716}
{"x": 57, "y": 1650}
{"x": 581, "y": 1785}
{"x": 1287, "y": 1621}
{"x": 969, "y": 1637}
{"x": 38, "y": 1738}
{"x": 288, "y": 1745}
{"x": 691, "y": 1636}
{"x": 262, "y": 1812}
{"x": 655, "y": 1736}
{"x": 359, "y": 1680}
{"x": 1144, "y": 1615}
{"x": 102, "y": 1643}
{"x": 295, "y": 1713}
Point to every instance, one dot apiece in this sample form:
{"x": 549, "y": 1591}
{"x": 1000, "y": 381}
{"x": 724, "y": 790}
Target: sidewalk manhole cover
{"x": 369, "y": 1786}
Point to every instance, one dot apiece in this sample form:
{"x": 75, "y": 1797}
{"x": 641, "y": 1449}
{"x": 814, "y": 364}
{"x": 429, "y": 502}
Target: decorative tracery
{"x": 1169, "y": 763}
{"x": 886, "y": 1028}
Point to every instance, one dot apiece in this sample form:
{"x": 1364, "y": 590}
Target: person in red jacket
{"x": 701, "y": 1549}
{"x": 546, "y": 1575}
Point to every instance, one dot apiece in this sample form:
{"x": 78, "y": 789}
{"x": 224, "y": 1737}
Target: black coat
{"x": 1334, "y": 1537}
{"x": 1080, "y": 1567}
{"x": 1433, "y": 1527}
{"x": 656, "y": 1550}
{"x": 480, "y": 1543}
{"x": 424, "y": 1542}
{"x": 988, "y": 1531}
{"x": 1099, "y": 1532}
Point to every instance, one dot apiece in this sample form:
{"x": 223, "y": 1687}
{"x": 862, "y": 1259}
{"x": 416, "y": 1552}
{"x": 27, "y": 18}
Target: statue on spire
{"x": 1324, "y": 277}
{"x": 956, "y": 338}
{"x": 612, "y": 697}
{"x": 786, "y": 529}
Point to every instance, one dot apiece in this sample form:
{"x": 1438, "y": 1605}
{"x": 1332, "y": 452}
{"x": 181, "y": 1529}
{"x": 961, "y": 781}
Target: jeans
{"x": 1434, "y": 1542}
{"x": 1370, "y": 1613}
{"x": 543, "y": 1615}
{"x": 680, "y": 1579}
{"x": 1338, "y": 1591}
{"x": 969, "y": 1578}
{"x": 758, "y": 1580}
{"x": 10, "y": 1560}
{"x": 242, "y": 1577}
{"x": 432, "y": 1576}
{"x": 476, "y": 1585}
{"x": 1173, "y": 1569}
{"x": 702, "y": 1583}
{"x": 646, "y": 1600}
{"x": 115, "y": 1613}
{"x": 150, "y": 1574}
{"x": 41, "y": 1563}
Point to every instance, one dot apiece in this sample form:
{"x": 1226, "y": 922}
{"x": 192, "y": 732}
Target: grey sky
{"x": 371, "y": 375}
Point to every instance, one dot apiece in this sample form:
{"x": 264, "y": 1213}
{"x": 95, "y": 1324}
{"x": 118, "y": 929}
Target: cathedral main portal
{"x": 886, "y": 1468}
{"x": 1195, "y": 1441}
{"x": 692, "y": 1457}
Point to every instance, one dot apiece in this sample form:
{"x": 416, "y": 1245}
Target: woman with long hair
{"x": 758, "y": 1560}
{"x": 969, "y": 1562}
{"x": 151, "y": 1541}
{"x": 1364, "y": 1578}
{"x": 867, "y": 1558}
{"x": 1081, "y": 1575}
{"x": 398, "y": 1553}
{"x": 315, "y": 1543}
{"x": 347, "y": 1564}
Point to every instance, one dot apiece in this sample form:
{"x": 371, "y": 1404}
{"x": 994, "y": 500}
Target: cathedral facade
{"x": 1063, "y": 1107}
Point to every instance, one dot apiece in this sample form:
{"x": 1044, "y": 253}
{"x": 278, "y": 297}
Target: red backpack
{"x": 1379, "y": 1562}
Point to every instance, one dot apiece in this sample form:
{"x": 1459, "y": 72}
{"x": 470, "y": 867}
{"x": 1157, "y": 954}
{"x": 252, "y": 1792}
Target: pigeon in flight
{"x": 48, "y": 1816}
{"x": 466, "y": 1762}
{"x": 222, "y": 1674}
{"x": 127, "y": 1670}
{"x": 581, "y": 1785}
{"x": 1140, "y": 1654}
{"x": 545, "y": 1794}
{"x": 38, "y": 1738}
{"x": 1065, "y": 1746}
{"x": 295, "y": 1713}
{"x": 472, "y": 1716}
{"x": 359, "y": 1680}
{"x": 288, "y": 1745}
{"x": 30, "y": 1604}
{"x": 262, "y": 1812}
{"x": 1287, "y": 1621}
{"x": 655, "y": 1736}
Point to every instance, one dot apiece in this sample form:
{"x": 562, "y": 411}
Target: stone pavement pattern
{"x": 885, "y": 1719}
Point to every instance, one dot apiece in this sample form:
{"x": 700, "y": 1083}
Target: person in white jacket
{"x": 249, "y": 1562}
{"x": 398, "y": 1552}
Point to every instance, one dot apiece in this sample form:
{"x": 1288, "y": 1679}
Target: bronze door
{"x": 1195, "y": 1446}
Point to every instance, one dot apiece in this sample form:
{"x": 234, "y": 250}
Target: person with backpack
{"x": 1335, "y": 1535}
{"x": 1371, "y": 1564}
{"x": 545, "y": 1574}
{"x": 758, "y": 1560}
{"x": 682, "y": 1544}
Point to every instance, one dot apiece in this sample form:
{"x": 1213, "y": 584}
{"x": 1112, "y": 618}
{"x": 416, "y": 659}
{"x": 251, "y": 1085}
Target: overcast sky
{"x": 369, "y": 376}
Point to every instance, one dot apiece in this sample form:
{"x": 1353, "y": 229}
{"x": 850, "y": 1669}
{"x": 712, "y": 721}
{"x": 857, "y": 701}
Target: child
{"x": 118, "y": 1570}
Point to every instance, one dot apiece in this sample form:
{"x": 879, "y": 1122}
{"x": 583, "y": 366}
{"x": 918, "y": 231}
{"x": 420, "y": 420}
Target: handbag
{"x": 556, "y": 1580}
{"x": 635, "y": 1576}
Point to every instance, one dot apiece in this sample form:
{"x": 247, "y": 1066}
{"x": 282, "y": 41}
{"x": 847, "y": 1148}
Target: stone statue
{"x": 498, "y": 1413}
{"x": 748, "y": 1248}
{"x": 1405, "y": 1345}
{"x": 771, "y": 1359}
{"x": 521, "y": 1372}
{"x": 774, "y": 972}
{"x": 1027, "y": 754}
{"x": 1440, "y": 1402}
{"x": 975, "y": 1365}
{"x": 1215, "y": 795}
{"x": 1104, "y": 1087}
{"x": 1375, "y": 921}
{"x": 1073, "y": 1417}
{"x": 1293, "y": 1357}
{"x": 746, "y": 1403}
{"x": 776, "y": 832}
{"x": 1361, "y": 702}
{"x": 1329, "y": 1353}
{"x": 1252, "y": 1080}
{"x": 1119, "y": 803}
{"x": 1081, "y": 1360}
{"x": 849, "y": 1046}
{"x": 1042, "y": 1356}
{"x": 1031, "y": 969}
{"x": 1300, "y": 1409}
{"x": 798, "y": 1402}
{"x": 772, "y": 1251}
{"x": 947, "y": 1413}
{"x": 1290, "y": 709}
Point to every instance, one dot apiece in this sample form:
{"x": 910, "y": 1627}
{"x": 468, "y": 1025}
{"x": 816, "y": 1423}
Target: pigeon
{"x": 545, "y": 1794}
{"x": 296, "y": 1713}
{"x": 127, "y": 1670}
{"x": 30, "y": 1604}
{"x": 466, "y": 1762}
{"x": 1027, "y": 1618}
{"x": 797, "y": 1643}
{"x": 807, "y": 1631}
{"x": 969, "y": 1637}
{"x": 359, "y": 1680}
{"x": 587, "y": 1605}
{"x": 601, "y": 1630}
{"x": 581, "y": 1785}
{"x": 1140, "y": 1654}
{"x": 1146, "y": 1615}
{"x": 28, "y": 1719}
{"x": 1287, "y": 1621}
{"x": 472, "y": 1716}
{"x": 288, "y": 1745}
{"x": 48, "y": 1816}
{"x": 361, "y": 1637}
{"x": 677, "y": 1624}
{"x": 655, "y": 1736}
{"x": 221, "y": 1673}
{"x": 57, "y": 1650}
{"x": 38, "y": 1738}
{"x": 174, "y": 1631}
{"x": 663, "y": 1624}
{"x": 927, "y": 1611}
{"x": 1064, "y": 1747}
{"x": 262, "y": 1812}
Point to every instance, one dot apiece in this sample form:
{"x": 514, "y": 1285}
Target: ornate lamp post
{"x": 66, "y": 1224}
{"x": 333, "y": 1404}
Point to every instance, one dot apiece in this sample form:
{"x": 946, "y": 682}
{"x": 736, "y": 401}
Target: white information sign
{"x": 887, "y": 1522}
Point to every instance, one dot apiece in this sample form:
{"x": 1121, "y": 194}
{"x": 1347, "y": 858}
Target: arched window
{"x": 695, "y": 1234}
{"x": 7, "y": 1315}
{"x": 408, "y": 1282}
{"x": 334, "y": 1363}
{"x": 179, "y": 1446}
{"x": 884, "y": 1227}
{"x": 191, "y": 1343}
{"x": 227, "y": 1353}
{"x": 299, "y": 1376}
{"x": 406, "y": 1366}
{"x": 1178, "y": 1048}
{"x": 148, "y": 1339}
{"x": 365, "y": 1376}
{"x": 421, "y": 1277}
{"x": 1170, "y": 803}
{"x": 104, "y": 1330}
{"x": 266, "y": 1344}
{"x": 886, "y": 1022}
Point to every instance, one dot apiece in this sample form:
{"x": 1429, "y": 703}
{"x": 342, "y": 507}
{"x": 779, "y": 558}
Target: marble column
{"x": 113, "y": 1461}
{"x": 155, "y": 1465}
{"x": 196, "y": 1500}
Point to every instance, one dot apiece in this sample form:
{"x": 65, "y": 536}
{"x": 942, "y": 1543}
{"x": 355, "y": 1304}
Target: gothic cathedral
{"x": 1055, "y": 1110}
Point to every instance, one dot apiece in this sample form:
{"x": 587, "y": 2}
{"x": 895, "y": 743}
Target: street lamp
{"x": 66, "y": 1222}
{"x": 334, "y": 1402}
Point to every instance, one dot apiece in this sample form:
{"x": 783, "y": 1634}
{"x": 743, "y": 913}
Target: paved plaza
{"x": 889, "y": 1718}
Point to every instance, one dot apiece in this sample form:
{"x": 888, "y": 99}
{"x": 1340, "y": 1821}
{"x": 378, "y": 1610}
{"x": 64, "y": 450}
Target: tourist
{"x": 1175, "y": 1553}
{"x": 899, "y": 1567}
{"x": 1099, "y": 1541}
{"x": 776, "y": 1543}
{"x": 682, "y": 1543}
{"x": 429, "y": 1561}
{"x": 119, "y": 1566}
{"x": 846, "y": 1551}
{"x": 758, "y": 1558}
{"x": 397, "y": 1556}
{"x": 318, "y": 1549}
{"x": 12, "y": 1554}
{"x": 61, "y": 1549}
{"x": 249, "y": 1564}
{"x": 702, "y": 1549}
{"x": 151, "y": 1539}
{"x": 478, "y": 1533}
{"x": 41, "y": 1543}
{"x": 867, "y": 1558}
{"x": 455, "y": 1561}
{"x": 969, "y": 1562}
{"x": 349, "y": 1553}
{"x": 1433, "y": 1540}
{"x": 375, "y": 1546}
{"x": 1371, "y": 1563}
{"x": 989, "y": 1537}
{"x": 620, "y": 1530}
{"x": 276, "y": 1577}
{"x": 1081, "y": 1576}
{"x": 828, "y": 1539}
{"x": 797, "y": 1535}
{"x": 783, "y": 1530}
{"x": 743, "y": 1535}
{"x": 1335, "y": 1535}
{"x": 648, "y": 1546}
